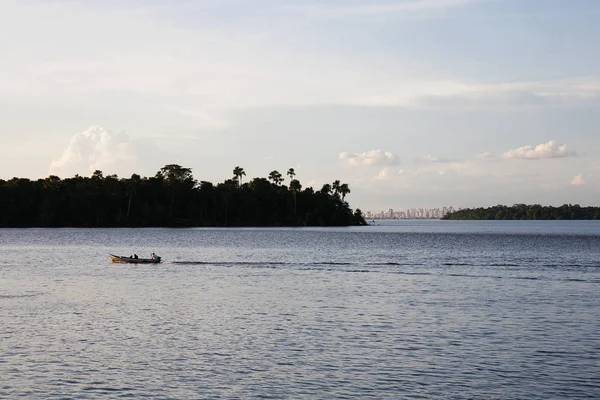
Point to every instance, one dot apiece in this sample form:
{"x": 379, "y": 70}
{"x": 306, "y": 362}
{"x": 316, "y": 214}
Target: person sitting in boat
{"x": 135, "y": 256}
{"x": 153, "y": 256}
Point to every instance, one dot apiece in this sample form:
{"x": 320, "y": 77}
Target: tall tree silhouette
{"x": 171, "y": 198}
{"x": 291, "y": 173}
{"x": 336, "y": 188}
{"x": 344, "y": 190}
{"x": 275, "y": 177}
{"x": 295, "y": 187}
{"x": 237, "y": 174}
{"x": 177, "y": 179}
{"x": 131, "y": 190}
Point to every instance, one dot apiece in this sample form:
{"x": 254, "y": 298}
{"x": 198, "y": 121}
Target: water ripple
{"x": 313, "y": 314}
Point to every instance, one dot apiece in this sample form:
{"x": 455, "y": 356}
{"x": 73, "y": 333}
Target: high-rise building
{"x": 413, "y": 213}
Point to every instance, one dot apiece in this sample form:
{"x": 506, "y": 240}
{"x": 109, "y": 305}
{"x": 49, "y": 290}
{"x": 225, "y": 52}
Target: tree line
{"x": 524, "y": 211}
{"x": 172, "y": 198}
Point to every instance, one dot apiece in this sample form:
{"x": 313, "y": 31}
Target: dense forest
{"x": 172, "y": 198}
{"x": 524, "y": 211}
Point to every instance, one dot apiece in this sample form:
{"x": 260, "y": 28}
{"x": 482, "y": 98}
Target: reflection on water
{"x": 411, "y": 309}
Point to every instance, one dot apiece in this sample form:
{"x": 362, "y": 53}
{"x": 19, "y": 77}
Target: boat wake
{"x": 450, "y": 269}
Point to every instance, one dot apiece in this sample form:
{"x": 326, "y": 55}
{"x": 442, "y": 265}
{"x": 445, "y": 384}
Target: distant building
{"x": 412, "y": 213}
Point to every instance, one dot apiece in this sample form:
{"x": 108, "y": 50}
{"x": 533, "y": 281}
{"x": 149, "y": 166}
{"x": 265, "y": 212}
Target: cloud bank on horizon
{"x": 544, "y": 150}
{"x": 459, "y": 90}
{"x": 97, "y": 148}
{"x": 94, "y": 149}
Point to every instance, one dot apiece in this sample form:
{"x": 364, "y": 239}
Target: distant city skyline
{"x": 410, "y": 213}
{"x": 410, "y": 102}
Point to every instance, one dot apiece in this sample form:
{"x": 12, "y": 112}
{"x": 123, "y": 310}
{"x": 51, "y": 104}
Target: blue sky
{"x": 413, "y": 103}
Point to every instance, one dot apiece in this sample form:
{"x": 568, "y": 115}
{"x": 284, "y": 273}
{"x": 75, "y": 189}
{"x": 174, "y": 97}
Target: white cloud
{"x": 388, "y": 173}
{"x": 552, "y": 149}
{"x": 372, "y": 157}
{"x": 486, "y": 156}
{"x": 440, "y": 165}
{"x": 96, "y": 149}
{"x": 203, "y": 71}
{"x": 578, "y": 180}
{"x": 424, "y": 92}
{"x": 201, "y": 118}
{"x": 433, "y": 159}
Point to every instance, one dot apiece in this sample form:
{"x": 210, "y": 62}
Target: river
{"x": 403, "y": 309}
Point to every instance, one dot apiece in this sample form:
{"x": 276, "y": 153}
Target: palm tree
{"x": 335, "y": 187}
{"x": 344, "y": 190}
{"x": 291, "y": 173}
{"x": 275, "y": 177}
{"x": 295, "y": 187}
{"x": 237, "y": 174}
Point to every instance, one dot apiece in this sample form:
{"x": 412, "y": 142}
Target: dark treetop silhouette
{"x": 172, "y": 198}
{"x": 523, "y": 211}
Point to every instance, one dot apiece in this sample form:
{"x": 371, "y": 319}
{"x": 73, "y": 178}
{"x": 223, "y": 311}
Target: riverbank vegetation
{"x": 173, "y": 198}
{"x": 524, "y": 211}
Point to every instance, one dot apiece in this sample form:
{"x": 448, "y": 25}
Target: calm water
{"x": 412, "y": 309}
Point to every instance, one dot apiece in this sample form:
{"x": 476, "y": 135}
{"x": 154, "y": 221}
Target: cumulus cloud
{"x": 96, "y": 148}
{"x": 552, "y": 149}
{"x": 373, "y": 157}
{"x": 388, "y": 173}
{"x": 578, "y": 180}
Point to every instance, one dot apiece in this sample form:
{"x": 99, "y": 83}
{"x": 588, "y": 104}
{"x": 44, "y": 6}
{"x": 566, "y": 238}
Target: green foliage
{"x": 524, "y": 211}
{"x": 171, "y": 198}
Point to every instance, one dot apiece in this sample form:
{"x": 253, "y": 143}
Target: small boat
{"x": 122, "y": 259}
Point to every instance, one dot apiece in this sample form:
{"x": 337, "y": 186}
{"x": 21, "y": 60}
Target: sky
{"x": 412, "y": 103}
